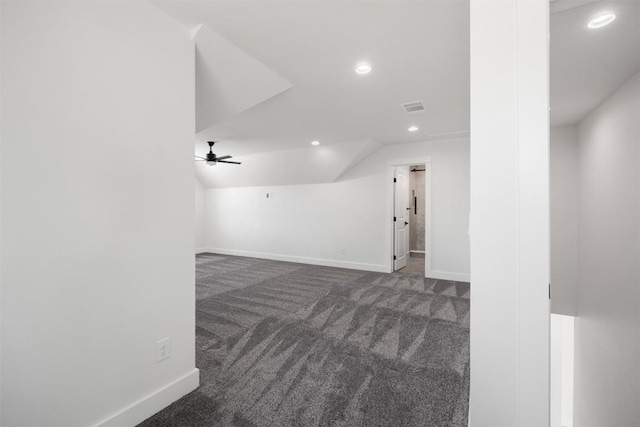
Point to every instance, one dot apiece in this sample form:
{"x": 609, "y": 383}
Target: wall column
{"x": 509, "y": 213}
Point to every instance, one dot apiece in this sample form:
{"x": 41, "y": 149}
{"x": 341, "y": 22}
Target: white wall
{"x": 564, "y": 219}
{"x": 312, "y": 223}
{"x": 309, "y": 165}
{"x": 509, "y": 213}
{"x": 97, "y": 212}
{"x": 607, "y": 391}
{"x": 200, "y": 237}
{"x": 562, "y": 370}
{"x": 556, "y": 371}
{"x": 1, "y": 305}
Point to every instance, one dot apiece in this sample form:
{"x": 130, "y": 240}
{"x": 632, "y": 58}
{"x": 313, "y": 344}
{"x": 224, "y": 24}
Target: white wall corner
{"x": 368, "y": 150}
{"x": 509, "y": 204}
{"x": 194, "y": 31}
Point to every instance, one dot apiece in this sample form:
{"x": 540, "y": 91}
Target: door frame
{"x": 391, "y": 165}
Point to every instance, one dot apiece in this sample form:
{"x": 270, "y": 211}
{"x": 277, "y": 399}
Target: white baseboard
{"x": 445, "y": 275}
{"x": 155, "y": 402}
{"x": 380, "y": 268}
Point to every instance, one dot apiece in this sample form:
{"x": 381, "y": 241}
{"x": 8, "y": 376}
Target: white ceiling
{"x": 589, "y": 65}
{"x": 272, "y": 76}
{"x": 419, "y": 50}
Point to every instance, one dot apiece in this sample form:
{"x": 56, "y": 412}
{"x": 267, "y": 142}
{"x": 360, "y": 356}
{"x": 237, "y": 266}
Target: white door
{"x": 401, "y": 216}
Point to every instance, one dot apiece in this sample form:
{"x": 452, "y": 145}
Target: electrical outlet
{"x": 163, "y": 349}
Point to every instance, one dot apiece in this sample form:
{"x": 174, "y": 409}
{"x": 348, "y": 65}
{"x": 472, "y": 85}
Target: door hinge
{"x": 394, "y": 257}
{"x": 394, "y": 219}
{"x": 394, "y": 180}
{"x": 549, "y": 290}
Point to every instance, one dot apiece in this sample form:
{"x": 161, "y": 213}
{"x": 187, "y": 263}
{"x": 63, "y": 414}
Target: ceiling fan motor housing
{"x": 212, "y": 159}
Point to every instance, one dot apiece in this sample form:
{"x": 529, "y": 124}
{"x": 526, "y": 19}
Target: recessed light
{"x": 363, "y": 69}
{"x": 413, "y": 128}
{"x": 601, "y": 20}
{"x": 315, "y": 142}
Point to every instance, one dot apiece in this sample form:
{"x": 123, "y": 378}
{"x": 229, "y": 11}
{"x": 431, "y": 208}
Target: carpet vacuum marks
{"x": 285, "y": 344}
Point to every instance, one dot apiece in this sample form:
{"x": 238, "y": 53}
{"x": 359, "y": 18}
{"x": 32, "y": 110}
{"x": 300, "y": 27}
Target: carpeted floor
{"x": 284, "y": 344}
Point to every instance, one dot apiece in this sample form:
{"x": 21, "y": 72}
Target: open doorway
{"x": 410, "y": 215}
{"x": 409, "y": 218}
{"x": 417, "y": 218}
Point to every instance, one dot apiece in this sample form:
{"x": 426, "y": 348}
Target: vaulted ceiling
{"x": 588, "y": 65}
{"x": 272, "y": 76}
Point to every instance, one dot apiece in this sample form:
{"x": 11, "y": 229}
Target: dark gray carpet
{"x": 284, "y": 344}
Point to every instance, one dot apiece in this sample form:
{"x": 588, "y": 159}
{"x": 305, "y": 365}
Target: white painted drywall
{"x": 200, "y": 237}
{"x": 555, "y": 401}
{"x": 509, "y": 214}
{"x": 568, "y": 370}
{"x": 308, "y": 165}
{"x": 564, "y": 219}
{"x": 305, "y": 223}
{"x": 607, "y": 350}
{"x": 229, "y": 80}
{"x": 97, "y": 212}
{"x": 312, "y": 223}
{"x": 0, "y": 218}
{"x": 562, "y": 370}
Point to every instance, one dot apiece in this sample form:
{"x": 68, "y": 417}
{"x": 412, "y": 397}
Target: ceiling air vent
{"x": 413, "y": 107}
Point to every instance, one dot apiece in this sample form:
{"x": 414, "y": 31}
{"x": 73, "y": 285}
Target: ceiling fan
{"x": 212, "y": 159}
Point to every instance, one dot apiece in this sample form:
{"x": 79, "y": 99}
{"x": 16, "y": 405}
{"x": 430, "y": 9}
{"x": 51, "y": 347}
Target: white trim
{"x": 154, "y": 402}
{"x": 408, "y": 161}
{"x": 201, "y": 250}
{"x": 446, "y": 275}
{"x": 391, "y": 164}
{"x": 457, "y": 134}
{"x": 380, "y": 268}
{"x": 427, "y": 218}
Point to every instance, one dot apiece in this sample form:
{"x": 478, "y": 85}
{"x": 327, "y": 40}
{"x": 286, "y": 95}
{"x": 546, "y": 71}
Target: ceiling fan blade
{"x": 223, "y": 157}
{"x": 203, "y": 158}
{"x": 227, "y": 161}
